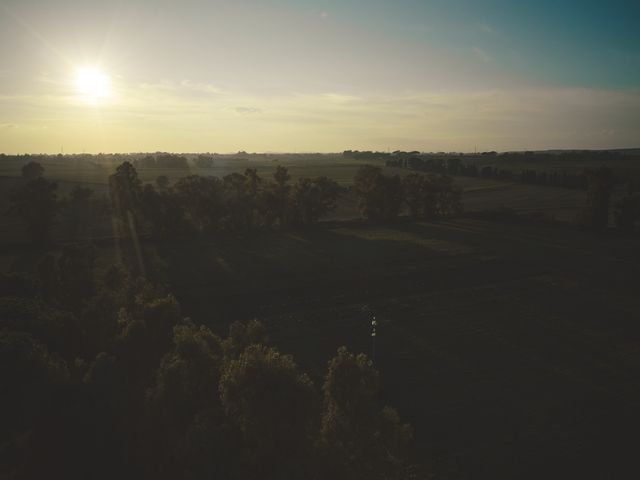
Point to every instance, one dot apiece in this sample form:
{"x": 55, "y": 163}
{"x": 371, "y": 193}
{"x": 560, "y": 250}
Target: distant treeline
{"x": 170, "y": 161}
{"x": 544, "y": 168}
{"x": 598, "y": 182}
{"x": 455, "y": 166}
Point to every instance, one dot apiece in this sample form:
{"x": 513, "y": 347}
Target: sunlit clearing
{"x": 92, "y": 84}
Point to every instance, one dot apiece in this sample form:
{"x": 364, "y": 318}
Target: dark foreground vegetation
{"x": 510, "y": 347}
{"x": 103, "y": 376}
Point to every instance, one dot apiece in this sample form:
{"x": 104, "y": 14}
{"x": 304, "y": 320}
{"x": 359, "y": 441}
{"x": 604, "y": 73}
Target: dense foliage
{"x": 103, "y": 377}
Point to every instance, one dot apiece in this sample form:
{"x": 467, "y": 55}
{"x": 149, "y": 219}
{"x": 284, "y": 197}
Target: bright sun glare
{"x": 92, "y": 84}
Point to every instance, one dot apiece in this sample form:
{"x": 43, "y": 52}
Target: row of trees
{"x": 171, "y": 161}
{"x": 455, "y": 166}
{"x": 35, "y": 199}
{"x": 382, "y": 197}
{"x": 194, "y": 204}
{"x": 103, "y": 377}
{"x": 626, "y": 210}
{"x": 234, "y": 203}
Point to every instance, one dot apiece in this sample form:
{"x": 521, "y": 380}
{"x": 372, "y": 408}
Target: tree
{"x": 242, "y": 335}
{"x": 146, "y": 333}
{"x": 380, "y": 196}
{"x": 162, "y": 182}
{"x": 184, "y": 394}
{"x": 254, "y": 192}
{"x": 29, "y": 377}
{"x": 314, "y": 198}
{"x": 78, "y": 210}
{"x": 77, "y": 285}
{"x": 164, "y": 211}
{"x": 56, "y": 329}
{"x": 279, "y": 202}
{"x": 202, "y": 200}
{"x": 125, "y": 190}
{"x": 237, "y": 202}
{"x": 37, "y": 203}
{"x": 360, "y": 439}
{"x": 446, "y": 195}
{"x": 31, "y": 171}
{"x": 627, "y": 212}
{"x": 272, "y": 404}
{"x": 415, "y": 194}
{"x": 600, "y": 183}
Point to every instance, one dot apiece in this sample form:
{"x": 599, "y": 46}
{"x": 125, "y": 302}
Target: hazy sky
{"x": 284, "y": 75}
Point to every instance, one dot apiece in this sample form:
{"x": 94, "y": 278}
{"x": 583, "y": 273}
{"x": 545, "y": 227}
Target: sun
{"x": 92, "y": 84}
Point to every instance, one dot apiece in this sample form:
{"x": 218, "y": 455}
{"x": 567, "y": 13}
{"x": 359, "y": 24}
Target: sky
{"x": 322, "y": 76}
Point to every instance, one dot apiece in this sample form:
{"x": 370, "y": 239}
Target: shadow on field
{"x": 513, "y": 351}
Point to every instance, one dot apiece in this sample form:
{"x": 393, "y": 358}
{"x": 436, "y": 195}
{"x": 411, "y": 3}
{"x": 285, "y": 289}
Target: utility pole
{"x": 374, "y": 324}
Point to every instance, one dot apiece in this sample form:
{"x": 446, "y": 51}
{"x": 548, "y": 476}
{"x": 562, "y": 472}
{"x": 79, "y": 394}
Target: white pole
{"x": 374, "y": 323}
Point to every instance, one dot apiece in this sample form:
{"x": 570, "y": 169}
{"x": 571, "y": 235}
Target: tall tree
{"x": 600, "y": 183}
{"x": 37, "y": 203}
{"x": 272, "y": 404}
{"x": 31, "y": 171}
{"x": 314, "y": 198}
{"x": 125, "y": 190}
{"x": 361, "y": 440}
{"x": 380, "y": 196}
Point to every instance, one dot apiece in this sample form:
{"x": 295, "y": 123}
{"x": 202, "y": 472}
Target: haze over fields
{"x": 281, "y": 75}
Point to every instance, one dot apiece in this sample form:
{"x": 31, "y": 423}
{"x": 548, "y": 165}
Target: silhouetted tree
{"x": 37, "y": 203}
{"x": 314, "y": 198}
{"x": 77, "y": 285}
{"x": 31, "y": 171}
{"x": 600, "y": 183}
{"x": 125, "y": 191}
{"x": 272, "y": 404}
{"x": 202, "y": 200}
{"x": 361, "y": 440}
{"x": 78, "y": 211}
{"x": 627, "y": 212}
{"x": 30, "y": 376}
{"x": 380, "y": 196}
{"x": 415, "y": 194}
{"x": 278, "y": 203}
{"x": 162, "y": 182}
{"x": 163, "y": 209}
{"x": 186, "y": 390}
